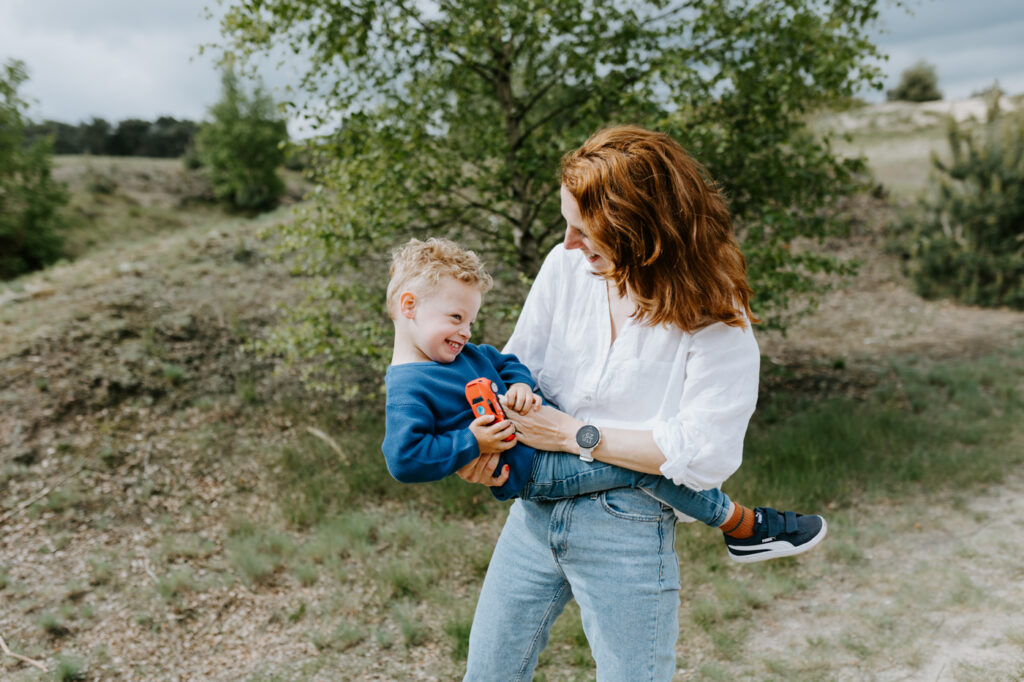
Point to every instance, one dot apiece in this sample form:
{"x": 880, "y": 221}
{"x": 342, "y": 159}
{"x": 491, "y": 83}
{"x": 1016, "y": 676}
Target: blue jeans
{"x": 557, "y": 476}
{"x": 614, "y": 553}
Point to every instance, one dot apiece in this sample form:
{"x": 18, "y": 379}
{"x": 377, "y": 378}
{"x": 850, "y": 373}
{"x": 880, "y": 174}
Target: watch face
{"x": 588, "y": 436}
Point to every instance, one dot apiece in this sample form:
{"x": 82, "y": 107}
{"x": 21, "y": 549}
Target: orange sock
{"x": 740, "y": 523}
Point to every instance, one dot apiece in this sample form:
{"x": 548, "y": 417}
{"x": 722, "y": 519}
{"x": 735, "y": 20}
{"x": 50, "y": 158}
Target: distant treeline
{"x": 165, "y": 137}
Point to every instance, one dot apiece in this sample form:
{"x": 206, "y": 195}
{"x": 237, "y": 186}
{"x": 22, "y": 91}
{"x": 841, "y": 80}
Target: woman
{"x": 638, "y": 325}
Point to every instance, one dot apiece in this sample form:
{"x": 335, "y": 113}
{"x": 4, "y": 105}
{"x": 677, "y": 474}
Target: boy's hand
{"x": 491, "y": 437}
{"x": 520, "y": 398}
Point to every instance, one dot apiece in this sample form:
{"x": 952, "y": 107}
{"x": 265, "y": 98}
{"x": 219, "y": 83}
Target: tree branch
{"x": 478, "y": 68}
{"x": 24, "y": 659}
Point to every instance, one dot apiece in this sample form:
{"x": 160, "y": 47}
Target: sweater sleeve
{"x": 414, "y": 453}
{"x": 703, "y": 442}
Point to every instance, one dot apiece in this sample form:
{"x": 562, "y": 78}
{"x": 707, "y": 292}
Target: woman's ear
{"x": 407, "y": 304}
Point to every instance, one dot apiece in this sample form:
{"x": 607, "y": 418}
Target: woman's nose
{"x": 573, "y": 238}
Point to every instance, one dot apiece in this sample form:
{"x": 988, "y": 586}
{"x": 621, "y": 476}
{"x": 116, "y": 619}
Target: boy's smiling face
{"x": 439, "y": 323}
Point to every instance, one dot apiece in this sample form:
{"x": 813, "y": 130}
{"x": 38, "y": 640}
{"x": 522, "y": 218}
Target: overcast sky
{"x": 118, "y": 59}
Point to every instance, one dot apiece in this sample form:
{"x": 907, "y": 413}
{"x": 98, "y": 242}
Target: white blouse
{"x": 695, "y": 392}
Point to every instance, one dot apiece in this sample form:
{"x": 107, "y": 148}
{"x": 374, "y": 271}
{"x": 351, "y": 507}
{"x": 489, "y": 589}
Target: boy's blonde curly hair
{"x": 418, "y": 266}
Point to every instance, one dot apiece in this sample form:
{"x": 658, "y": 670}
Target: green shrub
{"x": 919, "y": 83}
{"x": 242, "y": 147}
{"x": 969, "y": 244}
{"x": 29, "y": 196}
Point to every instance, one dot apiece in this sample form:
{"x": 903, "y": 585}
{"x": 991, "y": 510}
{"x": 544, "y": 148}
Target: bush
{"x": 29, "y": 196}
{"x": 242, "y": 147}
{"x": 919, "y": 83}
{"x": 970, "y": 244}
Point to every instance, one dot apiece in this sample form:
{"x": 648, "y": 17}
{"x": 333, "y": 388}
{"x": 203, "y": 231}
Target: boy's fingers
{"x": 483, "y": 420}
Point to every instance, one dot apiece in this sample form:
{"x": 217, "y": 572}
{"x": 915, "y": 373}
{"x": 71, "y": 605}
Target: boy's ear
{"x": 407, "y": 304}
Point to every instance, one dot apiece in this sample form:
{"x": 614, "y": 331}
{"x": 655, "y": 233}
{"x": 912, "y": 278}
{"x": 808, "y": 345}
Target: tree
{"x": 95, "y": 136}
{"x": 919, "y": 83}
{"x": 169, "y": 137}
{"x": 29, "y": 197}
{"x": 453, "y": 116}
{"x": 969, "y": 242}
{"x": 64, "y": 138}
{"x": 242, "y": 146}
{"x": 129, "y": 137}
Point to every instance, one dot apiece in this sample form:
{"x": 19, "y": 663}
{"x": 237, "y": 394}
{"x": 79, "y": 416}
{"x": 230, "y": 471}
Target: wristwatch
{"x": 587, "y": 438}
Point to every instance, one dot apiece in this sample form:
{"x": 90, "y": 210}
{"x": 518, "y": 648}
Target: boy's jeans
{"x": 558, "y": 475}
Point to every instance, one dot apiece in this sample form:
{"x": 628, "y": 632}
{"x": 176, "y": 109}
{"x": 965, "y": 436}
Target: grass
{"x": 917, "y": 430}
{"x": 257, "y": 554}
{"x": 70, "y": 668}
{"x": 177, "y": 583}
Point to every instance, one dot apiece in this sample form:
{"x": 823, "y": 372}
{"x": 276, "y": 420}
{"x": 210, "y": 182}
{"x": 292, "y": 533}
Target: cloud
{"x": 128, "y": 59}
{"x": 971, "y": 44}
{"x": 140, "y": 58}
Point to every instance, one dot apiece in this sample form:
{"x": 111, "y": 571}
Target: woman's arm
{"x": 549, "y": 429}
{"x": 699, "y": 446}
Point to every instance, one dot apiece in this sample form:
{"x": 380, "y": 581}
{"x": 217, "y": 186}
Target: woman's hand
{"x": 546, "y": 428}
{"x": 481, "y": 470}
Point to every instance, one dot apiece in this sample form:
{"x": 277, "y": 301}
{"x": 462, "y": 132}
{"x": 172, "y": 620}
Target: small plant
{"x": 176, "y": 583}
{"x": 258, "y": 554}
{"x": 297, "y": 615}
{"x": 307, "y": 574}
{"x": 61, "y": 499}
{"x": 344, "y": 636}
{"x": 414, "y": 631}
{"x": 174, "y": 374}
{"x": 5, "y": 580}
{"x": 185, "y": 546}
{"x": 245, "y": 387}
{"x": 147, "y": 620}
{"x": 53, "y": 625}
{"x": 69, "y": 668}
{"x": 98, "y": 182}
{"x": 458, "y": 630}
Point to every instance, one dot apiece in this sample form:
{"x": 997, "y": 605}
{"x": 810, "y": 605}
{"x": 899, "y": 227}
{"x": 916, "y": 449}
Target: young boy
{"x": 434, "y": 294}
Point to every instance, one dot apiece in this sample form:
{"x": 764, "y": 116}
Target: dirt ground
{"x": 936, "y": 582}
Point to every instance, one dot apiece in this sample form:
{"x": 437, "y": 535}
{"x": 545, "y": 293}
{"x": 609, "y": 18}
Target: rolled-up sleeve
{"x": 703, "y": 442}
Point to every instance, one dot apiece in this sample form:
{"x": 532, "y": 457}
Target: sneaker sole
{"x": 782, "y": 552}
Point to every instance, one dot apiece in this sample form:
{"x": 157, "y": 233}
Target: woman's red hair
{"x": 648, "y": 204}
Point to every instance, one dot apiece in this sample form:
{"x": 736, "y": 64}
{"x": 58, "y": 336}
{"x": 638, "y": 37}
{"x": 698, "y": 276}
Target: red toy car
{"x": 482, "y": 399}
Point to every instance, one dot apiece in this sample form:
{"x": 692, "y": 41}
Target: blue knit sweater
{"x": 427, "y": 433}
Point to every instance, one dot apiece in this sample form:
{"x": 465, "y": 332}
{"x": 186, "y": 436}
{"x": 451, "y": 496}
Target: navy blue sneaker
{"x": 777, "y": 534}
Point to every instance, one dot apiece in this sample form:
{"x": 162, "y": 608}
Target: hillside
{"x": 150, "y": 527}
